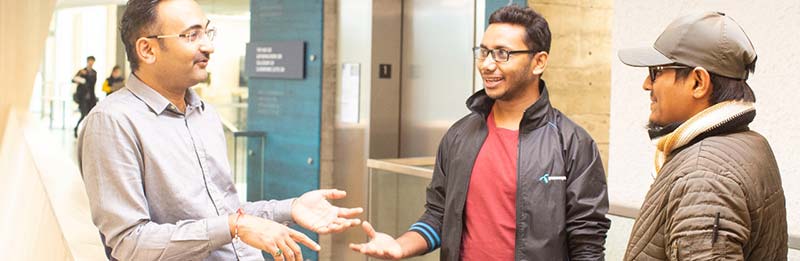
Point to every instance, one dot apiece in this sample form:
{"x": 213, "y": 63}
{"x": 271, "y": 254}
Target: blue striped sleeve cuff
{"x": 428, "y": 233}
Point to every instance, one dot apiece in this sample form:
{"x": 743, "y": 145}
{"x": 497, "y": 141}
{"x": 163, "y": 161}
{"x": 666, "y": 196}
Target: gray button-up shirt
{"x": 158, "y": 180}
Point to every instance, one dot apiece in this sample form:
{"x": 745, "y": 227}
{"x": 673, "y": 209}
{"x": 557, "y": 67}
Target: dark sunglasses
{"x": 655, "y": 70}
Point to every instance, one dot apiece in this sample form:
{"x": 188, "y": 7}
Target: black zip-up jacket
{"x": 557, "y": 219}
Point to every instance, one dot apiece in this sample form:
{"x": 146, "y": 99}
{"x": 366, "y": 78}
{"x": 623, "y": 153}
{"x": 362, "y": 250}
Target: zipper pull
{"x": 715, "y": 232}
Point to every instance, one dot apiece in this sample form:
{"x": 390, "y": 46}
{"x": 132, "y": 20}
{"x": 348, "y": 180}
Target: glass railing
{"x": 244, "y": 147}
{"x": 396, "y": 195}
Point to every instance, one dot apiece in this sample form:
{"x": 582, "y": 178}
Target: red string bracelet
{"x": 236, "y": 224}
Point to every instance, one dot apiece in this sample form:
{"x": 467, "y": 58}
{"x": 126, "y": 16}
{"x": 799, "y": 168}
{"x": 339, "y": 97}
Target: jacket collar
{"x": 721, "y": 118}
{"x": 155, "y": 101}
{"x": 534, "y": 117}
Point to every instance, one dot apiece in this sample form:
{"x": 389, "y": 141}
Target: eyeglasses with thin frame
{"x": 499, "y": 55}
{"x": 191, "y": 36}
{"x": 656, "y": 70}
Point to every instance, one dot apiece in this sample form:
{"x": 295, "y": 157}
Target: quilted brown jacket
{"x": 729, "y": 179}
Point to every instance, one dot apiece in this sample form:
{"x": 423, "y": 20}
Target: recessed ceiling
{"x": 215, "y": 7}
{"x": 61, "y": 4}
{"x": 225, "y": 7}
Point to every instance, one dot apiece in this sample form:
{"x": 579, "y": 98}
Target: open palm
{"x": 380, "y": 245}
{"x": 314, "y": 212}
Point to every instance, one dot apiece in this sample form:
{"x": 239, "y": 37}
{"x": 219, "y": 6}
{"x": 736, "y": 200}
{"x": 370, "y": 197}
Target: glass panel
{"x": 395, "y": 202}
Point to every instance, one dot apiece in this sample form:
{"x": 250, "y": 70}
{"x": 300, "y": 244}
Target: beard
{"x": 511, "y": 93}
{"x": 656, "y": 130}
{"x": 516, "y": 85}
{"x": 652, "y": 126}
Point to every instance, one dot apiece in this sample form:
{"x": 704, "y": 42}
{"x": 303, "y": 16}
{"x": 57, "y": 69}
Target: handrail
{"x": 229, "y": 125}
{"x": 232, "y": 105}
{"x": 262, "y": 138}
{"x": 258, "y": 134}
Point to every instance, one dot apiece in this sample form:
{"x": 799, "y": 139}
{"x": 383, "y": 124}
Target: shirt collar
{"x": 193, "y": 100}
{"x": 536, "y": 116}
{"x": 157, "y": 102}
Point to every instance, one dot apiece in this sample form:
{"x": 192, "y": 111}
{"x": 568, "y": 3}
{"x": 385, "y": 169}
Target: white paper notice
{"x": 349, "y": 96}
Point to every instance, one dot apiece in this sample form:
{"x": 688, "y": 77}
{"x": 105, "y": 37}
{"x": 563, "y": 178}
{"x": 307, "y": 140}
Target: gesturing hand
{"x": 274, "y": 238}
{"x": 313, "y": 212}
{"x": 380, "y": 245}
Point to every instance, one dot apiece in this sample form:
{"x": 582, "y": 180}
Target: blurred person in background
{"x": 84, "y": 95}
{"x": 114, "y": 82}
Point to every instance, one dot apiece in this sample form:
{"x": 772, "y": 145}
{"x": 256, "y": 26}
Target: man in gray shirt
{"x": 154, "y": 162}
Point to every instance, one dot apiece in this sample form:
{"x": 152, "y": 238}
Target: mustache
{"x": 653, "y": 126}
{"x": 202, "y": 56}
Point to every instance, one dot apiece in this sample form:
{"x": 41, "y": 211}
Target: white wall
{"x": 233, "y": 33}
{"x": 354, "y": 45}
{"x": 81, "y": 32}
{"x": 772, "y": 29}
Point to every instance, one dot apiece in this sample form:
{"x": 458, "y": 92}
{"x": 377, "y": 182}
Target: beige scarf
{"x": 707, "y": 119}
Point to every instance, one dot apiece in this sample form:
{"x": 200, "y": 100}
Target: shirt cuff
{"x": 282, "y": 213}
{"x": 219, "y": 233}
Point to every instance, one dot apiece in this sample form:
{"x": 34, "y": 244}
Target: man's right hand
{"x": 274, "y": 238}
{"x": 380, "y": 245}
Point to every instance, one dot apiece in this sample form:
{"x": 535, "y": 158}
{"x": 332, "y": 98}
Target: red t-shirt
{"x": 490, "y": 211}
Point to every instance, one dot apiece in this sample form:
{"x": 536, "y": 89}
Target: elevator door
{"x": 437, "y": 71}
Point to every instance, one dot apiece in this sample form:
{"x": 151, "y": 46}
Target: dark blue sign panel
{"x": 276, "y": 60}
{"x": 288, "y": 110}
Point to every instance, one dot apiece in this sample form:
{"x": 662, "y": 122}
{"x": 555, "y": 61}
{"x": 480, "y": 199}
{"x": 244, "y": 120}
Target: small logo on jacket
{"x": 546, "y": 178}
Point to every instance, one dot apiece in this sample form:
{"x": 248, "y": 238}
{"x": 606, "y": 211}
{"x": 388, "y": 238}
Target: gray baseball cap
{"x": 711, "y": 40}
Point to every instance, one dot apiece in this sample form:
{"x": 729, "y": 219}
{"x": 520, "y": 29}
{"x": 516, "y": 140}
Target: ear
{"x": 702, "y": 83}
{"x": 539, "y": 62}
{"x": 146, "y": 51}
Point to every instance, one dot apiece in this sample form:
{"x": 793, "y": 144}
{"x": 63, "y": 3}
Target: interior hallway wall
{"x": 354, "y": 38}
{"x": 772, "y": 30}
{"x": 28, "y": 221}
{"x": 578, "y": 74}
{"x": 23, "y": 27}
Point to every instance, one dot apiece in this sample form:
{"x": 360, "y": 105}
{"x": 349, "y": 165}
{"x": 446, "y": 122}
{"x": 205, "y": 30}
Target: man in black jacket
{"x": 84, "y": 92}
{"x": 515, "y": 179}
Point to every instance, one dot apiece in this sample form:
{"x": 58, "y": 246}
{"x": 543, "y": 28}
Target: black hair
{"x": 724, "y": 88}
{"x": 138, "y": 20}
{"x": 90, "y": 58}
{"x": 537, "y": 31}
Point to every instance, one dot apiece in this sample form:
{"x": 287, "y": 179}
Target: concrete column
{"x": 578, "y": 73}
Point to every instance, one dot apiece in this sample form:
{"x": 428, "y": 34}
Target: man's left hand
{"x": 314, "y": 212}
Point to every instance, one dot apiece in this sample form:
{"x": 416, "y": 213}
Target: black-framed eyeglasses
{"x": 656, "y": 70}
{"x": 191, "y": 36}
{"x": 499, "y": 55}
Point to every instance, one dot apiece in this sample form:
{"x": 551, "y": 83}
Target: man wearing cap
{"x": 717, "y": 194}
